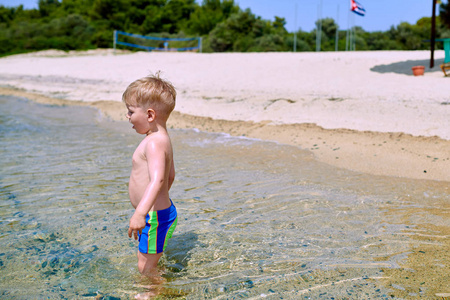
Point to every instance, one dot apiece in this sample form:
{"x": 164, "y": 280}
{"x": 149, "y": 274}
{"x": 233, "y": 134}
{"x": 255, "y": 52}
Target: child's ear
{"x": 151, "y": 115}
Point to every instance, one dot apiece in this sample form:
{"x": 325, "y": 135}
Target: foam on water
{"x": 256, "y": 219}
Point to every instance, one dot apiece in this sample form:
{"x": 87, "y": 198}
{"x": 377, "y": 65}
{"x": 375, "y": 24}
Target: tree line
{"x": 223, "y": 25}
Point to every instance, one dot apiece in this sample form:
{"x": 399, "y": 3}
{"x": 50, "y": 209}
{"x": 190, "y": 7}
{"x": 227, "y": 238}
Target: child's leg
{"x": 153, "y": 282}
{"x": 148, "y": 263}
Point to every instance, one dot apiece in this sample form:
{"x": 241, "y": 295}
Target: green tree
{"x": 112, "y": 11}
{"x": 444, "y": 13}
{"x": 7, "y": 14}
{"x": 205, "y": 17}
{"x": 380, "y": 41}
{"x": 47, "y": 7}
{"x": 244, "y": 32}
{"x": 175, "y": 15}
{"x": 279, "y": 23}
{"x": 83, "y": 24}
{"x": 328, "y": 33}
{"x": 234, "y": 34}
{"x": 153, "y": 20}
{"x": 80, "y": 7}
{"x": 410, "y": 37}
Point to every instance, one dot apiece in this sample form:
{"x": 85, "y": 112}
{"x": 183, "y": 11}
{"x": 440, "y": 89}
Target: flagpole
{"x": 353, "y": 32}
{"x": 350, "y": 27}
{"x": 295, "y": 28}
{"x": 337, "y": 30}
{"x": 358, "y": 9}
{"x": 354, "y": 35}
{"x": 319, "y": 27}
{"x": 347, "y": 38}
{"x": 320, "y": 31}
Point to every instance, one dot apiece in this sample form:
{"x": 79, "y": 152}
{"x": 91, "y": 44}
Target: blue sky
{"x": 380, "y": 14}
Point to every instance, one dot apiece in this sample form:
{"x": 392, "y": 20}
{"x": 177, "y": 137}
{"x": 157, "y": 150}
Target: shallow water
{"x": 256, "y": 219}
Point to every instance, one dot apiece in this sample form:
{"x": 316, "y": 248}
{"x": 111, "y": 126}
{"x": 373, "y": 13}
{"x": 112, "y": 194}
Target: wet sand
{"x": 362, "y": 111}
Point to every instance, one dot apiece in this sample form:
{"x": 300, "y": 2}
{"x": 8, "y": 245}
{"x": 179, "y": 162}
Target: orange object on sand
{"x": 418, "y": 70}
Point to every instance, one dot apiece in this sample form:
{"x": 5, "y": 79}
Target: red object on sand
{"x": 418, "y": 70}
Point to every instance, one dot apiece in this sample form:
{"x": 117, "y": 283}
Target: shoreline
{"x": 379, "y": 153}
{"x": 391, "y": 124}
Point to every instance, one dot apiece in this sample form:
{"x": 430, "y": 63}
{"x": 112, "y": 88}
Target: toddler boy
{"x": 149, "y": 101}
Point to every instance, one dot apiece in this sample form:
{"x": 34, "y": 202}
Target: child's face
{"x": 138, "y": 116}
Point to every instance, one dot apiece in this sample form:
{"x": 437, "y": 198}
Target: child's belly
{"x": 136, "y": 192}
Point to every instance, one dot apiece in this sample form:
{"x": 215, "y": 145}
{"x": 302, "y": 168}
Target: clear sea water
{"x": 257, "y": 220}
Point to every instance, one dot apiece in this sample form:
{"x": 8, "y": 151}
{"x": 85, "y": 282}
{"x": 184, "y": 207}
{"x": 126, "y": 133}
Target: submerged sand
{"x": 362, "y": 111}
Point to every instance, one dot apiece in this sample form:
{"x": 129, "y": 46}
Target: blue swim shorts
{"x": 158, "y": 229}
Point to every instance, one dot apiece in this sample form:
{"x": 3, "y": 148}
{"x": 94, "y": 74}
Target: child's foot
{"x": 151, "y": 291}
{"x": 146, "y": 295}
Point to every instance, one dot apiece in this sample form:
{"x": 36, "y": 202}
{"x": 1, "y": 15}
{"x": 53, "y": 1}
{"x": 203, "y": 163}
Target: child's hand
{"x": 137, "y": 223}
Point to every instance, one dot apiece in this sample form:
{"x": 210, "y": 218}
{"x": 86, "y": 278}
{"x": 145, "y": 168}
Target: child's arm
{"x": 171, "y": 174}
{"x": 156, "y": 164}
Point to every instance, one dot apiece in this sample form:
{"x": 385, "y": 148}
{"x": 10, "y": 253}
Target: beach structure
{"x": 151, "y": 43}
{"x": 446, "y": 65}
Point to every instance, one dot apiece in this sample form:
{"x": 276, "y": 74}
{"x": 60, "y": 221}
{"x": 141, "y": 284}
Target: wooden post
{"x": 433, "y": 33}
{"x": 114, "y": 41}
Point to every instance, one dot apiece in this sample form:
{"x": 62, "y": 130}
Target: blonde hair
{"x": 151, "y": 91}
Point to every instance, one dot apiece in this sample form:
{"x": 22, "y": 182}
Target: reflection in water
{"x": 256, "y": 219}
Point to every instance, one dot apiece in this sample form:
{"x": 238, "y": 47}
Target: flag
{"x": 358, "y": 8}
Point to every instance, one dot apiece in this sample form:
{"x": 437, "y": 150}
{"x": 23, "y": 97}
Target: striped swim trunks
{"x": 158, "y": 229}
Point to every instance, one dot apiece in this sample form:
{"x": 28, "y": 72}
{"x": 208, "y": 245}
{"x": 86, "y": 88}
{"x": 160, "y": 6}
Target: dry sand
{"x": 362, "y": 111}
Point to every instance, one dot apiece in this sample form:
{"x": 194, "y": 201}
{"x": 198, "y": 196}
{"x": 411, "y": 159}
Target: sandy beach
{"x": 362, "y": 111}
